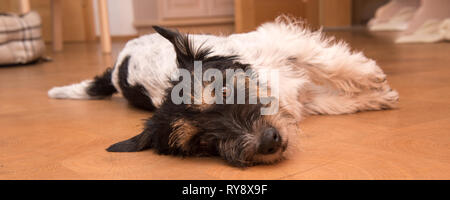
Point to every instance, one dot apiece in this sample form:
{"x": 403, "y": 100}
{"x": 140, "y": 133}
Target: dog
{"x": 316, "y": 75}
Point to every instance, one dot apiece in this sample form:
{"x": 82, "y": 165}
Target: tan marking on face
{"x": 183, "y": 132}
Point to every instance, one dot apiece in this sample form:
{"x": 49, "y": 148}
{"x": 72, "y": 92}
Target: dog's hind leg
{"x": 326, "y": 100}
{"x": 100, "y": 87}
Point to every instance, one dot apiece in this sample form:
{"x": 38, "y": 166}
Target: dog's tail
{"x": 100, "y": 87}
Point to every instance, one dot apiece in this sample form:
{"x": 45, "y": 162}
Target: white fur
{"x": 318, "y": 75}
{"x": 74, "y": 91}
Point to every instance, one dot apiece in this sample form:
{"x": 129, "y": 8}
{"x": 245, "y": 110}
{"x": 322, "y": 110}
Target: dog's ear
{"x": 170, "y": 35}
{"x": 137, "y": 143}
{"x": 184, "y": 47}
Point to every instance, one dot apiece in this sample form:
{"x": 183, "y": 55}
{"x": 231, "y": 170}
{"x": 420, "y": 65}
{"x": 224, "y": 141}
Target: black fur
{"x": 102, "y": 85}
{"x": 137, "y": 143}
{"x": 183, "y": 47}
{"x": 136, "y": 94}
{"x": 215, "y": 129}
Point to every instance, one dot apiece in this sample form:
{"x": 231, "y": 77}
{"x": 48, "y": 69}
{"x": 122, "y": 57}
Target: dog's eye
{"x": 226, "y": 91}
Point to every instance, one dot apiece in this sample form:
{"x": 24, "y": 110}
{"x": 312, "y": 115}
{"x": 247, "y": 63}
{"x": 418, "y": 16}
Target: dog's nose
{"x": 270, "y": 141}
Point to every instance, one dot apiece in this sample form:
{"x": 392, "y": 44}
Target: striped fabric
{"x": 20, "y": 38}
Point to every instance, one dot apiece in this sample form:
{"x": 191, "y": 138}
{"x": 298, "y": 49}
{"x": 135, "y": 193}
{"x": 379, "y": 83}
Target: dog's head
{"x": 203, "y": 114}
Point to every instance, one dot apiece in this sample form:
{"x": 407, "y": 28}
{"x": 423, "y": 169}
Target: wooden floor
{"x": 42, "y": 138}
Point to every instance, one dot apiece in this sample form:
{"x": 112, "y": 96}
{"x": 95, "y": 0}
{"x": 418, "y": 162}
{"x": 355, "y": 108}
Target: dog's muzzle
{"x": 270, "y": 141}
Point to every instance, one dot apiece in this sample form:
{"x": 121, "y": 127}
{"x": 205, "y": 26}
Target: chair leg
{"x": 105, "y": 36}
{"x": 57, "y": 34}
{"x": 24, "y": 6}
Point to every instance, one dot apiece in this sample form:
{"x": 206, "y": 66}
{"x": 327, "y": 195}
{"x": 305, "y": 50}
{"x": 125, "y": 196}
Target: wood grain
{"x": 335, "y": 13}
{"x": 249, "y": 14}
{"x": 43, "y": 138}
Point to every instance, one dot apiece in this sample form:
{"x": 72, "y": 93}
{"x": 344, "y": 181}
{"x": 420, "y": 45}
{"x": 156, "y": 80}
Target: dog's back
{"x": 142, "y": 73}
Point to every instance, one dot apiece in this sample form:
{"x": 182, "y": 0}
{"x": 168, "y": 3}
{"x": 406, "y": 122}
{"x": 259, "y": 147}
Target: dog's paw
{"x": 375, "y": 78}
{"x": 368, "y": 75}
{"x": 388, "y": 99}
{"x": 378, "y": 78}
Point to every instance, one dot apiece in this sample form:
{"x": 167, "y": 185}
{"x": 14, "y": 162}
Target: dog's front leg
{"x": 346, "y": 82}
{"x": 325, "y": 100}
{"x": 346, "y": 71}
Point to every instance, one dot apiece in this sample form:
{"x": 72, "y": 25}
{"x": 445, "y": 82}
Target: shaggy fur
{"x": 318, "y": 75}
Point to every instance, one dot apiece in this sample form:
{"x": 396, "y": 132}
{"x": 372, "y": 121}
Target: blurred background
{"x": 130, "y": 18}
{"x": 43, "y": 138}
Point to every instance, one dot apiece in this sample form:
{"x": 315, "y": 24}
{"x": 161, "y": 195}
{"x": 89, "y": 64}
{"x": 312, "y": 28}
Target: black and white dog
{"x": 316, "y": 75}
